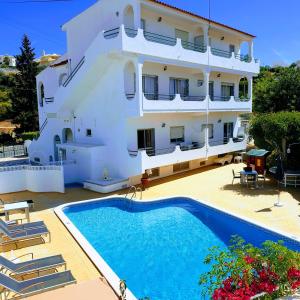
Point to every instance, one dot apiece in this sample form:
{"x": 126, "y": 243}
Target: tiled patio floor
{"x": 212, "y": 184}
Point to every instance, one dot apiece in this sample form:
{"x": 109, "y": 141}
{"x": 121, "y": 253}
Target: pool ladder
{"x": 134, "y": 190}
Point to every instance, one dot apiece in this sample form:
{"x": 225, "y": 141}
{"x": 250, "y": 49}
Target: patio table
{"x": 246, "y": 174}
{"x": 16, "y": 206}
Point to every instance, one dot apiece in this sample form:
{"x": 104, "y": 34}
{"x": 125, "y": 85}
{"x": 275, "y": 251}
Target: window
{"x": 179, "y": 86}
{"x": 181, "y": 167}
{"x": 146, "y": 140}
{"x": 89, "y": 132}
{"x": 150, "y": 87}
{"x": 210, "y": 130}
{"x": 177, "y": 134}
{"x": 227, "y": 90}
{"x": 199, "y": 40}
{"x": 42, "y": 95}
{"x": 228, "y": 131}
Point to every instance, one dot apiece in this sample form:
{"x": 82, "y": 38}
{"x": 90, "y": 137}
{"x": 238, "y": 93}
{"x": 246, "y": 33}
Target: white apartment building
{"x": 11, "y": 60}
{"x": 143, "y": 88}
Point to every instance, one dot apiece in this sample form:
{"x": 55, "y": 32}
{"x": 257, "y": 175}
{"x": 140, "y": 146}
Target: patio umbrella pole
{"x": 278, "y": 203}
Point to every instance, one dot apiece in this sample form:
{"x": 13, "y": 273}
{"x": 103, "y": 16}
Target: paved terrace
{"x": 212, "y": 184}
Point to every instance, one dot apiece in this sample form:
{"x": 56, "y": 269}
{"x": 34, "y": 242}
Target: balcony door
{"x": 146, "y": 140}
{"x": 179, "y": 86}
{"x": 183, "y": 35}
{"x": 150, "y": 87}
{"x": 228, "y": 131}
{"x": 211, "y": 90}
{"x": 227, "y": 90}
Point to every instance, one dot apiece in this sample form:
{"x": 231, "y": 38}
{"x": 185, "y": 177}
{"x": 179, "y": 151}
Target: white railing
{"x": 29, "y": 167}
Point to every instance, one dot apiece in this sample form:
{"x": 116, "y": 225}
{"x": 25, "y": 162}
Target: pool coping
{"x": 101, "y": 264}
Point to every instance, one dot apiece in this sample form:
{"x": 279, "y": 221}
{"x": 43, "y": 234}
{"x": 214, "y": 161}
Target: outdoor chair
{"x": 13, "y": 225}
{"x": 13, "y": 236}
{"x": 234, "y": 176}
{"x": 251, "y": 180}
{"x": 32, "y": 266}
{"x": 21, "y": 289}
{"x": 263, "y": 177}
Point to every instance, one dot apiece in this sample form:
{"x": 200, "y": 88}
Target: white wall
{"x": 34, "y": 179}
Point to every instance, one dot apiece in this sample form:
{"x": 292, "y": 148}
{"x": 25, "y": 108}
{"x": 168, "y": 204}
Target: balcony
{"x": 157, "y": 45}
{"x": 230, "y": 103}
{"x": 150, "y": 158}
{"x": 154, "y": 158}
{"x": 226, "y": 146}
{"x": 173, "y": 103}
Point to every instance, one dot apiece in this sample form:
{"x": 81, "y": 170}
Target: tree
{"x": 277, "y": 89}
{"x": 6, "y": 61}
{"x": 275, "y": 131}
{"x": 24, "y": 104}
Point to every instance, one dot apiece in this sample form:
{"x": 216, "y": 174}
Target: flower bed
{"x": 245, "y": 272}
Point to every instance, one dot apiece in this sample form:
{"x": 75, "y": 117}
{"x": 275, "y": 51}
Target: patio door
{"x": 146, "y": 140}
{"x": 150, "y": 87}
{"x": 228, "y": 131}
{"x": 211, "y": 90}
{"x": 183, "y": 35}
{"x": 179, "y": 86}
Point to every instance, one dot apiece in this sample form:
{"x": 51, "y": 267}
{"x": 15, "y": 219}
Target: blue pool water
{"x": 158, "y": 247}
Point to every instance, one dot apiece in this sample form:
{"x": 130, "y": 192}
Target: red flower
{"x": 249, "y": 260}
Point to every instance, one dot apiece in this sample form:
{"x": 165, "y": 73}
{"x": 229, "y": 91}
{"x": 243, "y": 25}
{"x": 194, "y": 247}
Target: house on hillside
{"x": 144, "y": 88}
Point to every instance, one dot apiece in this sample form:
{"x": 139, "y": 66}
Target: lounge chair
{"x": 235, "y": 176}
{"x": 31, "y": 266}
{"x": 13, "y": 226}
{"x": 16, "y": 289}
{"x": 13, "y": 236}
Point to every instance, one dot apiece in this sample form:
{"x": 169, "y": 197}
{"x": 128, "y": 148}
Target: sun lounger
{"x": 13, "y": 236}
{"x": 13, "y": 226}
{"x": 31, "y": 266}
{"x": 14, "y": 289}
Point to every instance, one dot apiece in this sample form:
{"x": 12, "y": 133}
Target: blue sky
{"x": 275, "y": 23}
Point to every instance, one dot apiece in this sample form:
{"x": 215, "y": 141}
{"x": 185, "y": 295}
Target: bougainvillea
{"x": 244, "y": 271}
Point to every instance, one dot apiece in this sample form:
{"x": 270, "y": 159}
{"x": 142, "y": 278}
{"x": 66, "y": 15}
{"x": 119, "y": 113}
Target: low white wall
{"x": 32, "y": 178}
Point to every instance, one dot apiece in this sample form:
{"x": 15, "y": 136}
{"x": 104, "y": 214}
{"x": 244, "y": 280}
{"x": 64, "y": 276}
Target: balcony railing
{"x": 49, "y": 100}
{"x": 220, "y": 98}
{"x": 194, "y": 47}
{"x": 158, "y": 38}
{"x": 193, "y": 98}
{"x": 153, "y": 152}
{"x": 130, "y": 96}
{"x": 131, "y": 32}
{"x": 192, "y": 146}
{"x": 172, "y": 41}
{"x": 224, "y": 141}
{"x": 222, "y": 53}
{"x": 156, "y": 97}
{"x": 73, "y": 73}
{"x": 241, "y": 99}
{"x": 112, "y": 33}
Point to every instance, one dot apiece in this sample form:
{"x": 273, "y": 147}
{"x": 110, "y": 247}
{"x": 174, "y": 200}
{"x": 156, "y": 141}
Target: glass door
{"x": 228, "y": 132}
{"x": 150, "y": 87}
{"x": 146, "y": 140}
{"x": 211, "y": 90}
{"x": 179, "y": 86}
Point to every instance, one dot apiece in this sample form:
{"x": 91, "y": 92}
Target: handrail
{"x": 49, "y": 100}
{"x": 224, "y": 141}
{"x": 193, "y": 98}
{"x": 112, "y": 33}
{"x": 130, "y": 95}
{"x": 131, "y": 32}
{"x": 73, "y": 73}
{"x": 222, "y": 53}
{"x": 237, "y": 99}
{"x": 220, "y": 98}
{"x": 43, "y": 125}
{"x": 242, "y": 57}
{"x": 154, "y": 96}
{"x": 194, "y": 47}
{"x": 192, "y": 146}
{"x": 157, "y": 152}
{"x": 158, "y": 38}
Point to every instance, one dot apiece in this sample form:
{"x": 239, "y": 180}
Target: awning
{"x": 258, "y": 152}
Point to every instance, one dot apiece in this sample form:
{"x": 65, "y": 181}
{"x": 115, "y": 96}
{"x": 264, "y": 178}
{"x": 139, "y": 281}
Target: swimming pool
{"x": 158, "y": 247}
